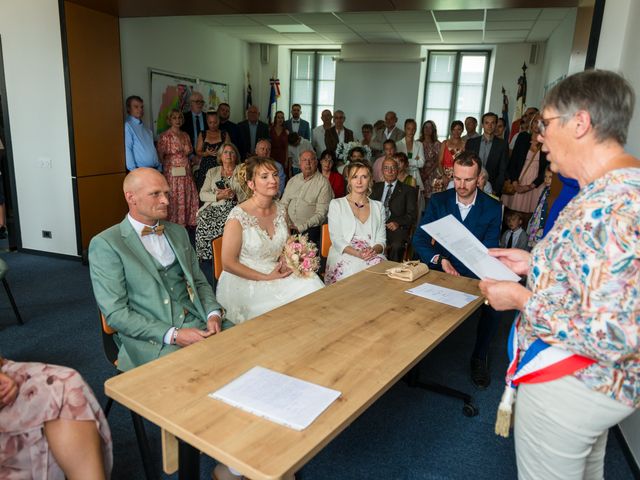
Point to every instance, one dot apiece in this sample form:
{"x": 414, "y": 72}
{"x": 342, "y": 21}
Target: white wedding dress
{"x": 246, "y": 299}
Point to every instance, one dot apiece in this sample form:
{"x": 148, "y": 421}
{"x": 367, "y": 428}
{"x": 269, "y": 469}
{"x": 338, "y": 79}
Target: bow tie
{"x": 147, "y": 230}
{"x": 296, "y": 121}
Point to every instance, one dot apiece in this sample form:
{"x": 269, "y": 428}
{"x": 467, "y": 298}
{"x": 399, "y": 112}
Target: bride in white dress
{"x": 255, "y": 279}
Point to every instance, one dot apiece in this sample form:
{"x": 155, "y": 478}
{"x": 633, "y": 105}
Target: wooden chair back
{"x": 216, "y": 247}
{"x": 325, "y": 243}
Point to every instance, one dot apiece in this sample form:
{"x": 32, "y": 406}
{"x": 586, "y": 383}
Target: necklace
{"x": 358, "y": 205}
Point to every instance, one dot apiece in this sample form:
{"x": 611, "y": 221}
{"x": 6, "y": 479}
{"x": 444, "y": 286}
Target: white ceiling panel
{"x": 354, "y": 18}
{"x": 274, "y": 19}
{"x": 317, "y": 18}
{"x": 419, "y": 16}
{"x": 341, "y": 28}
{"x": 414, "y": 27}
{"x": 372, "y": 27}
{"x": 554, "y": 13}
{"x": 526, "y": 25}
{"x": 462, "y": 37}
{"x": 233, "y": 20}
{"x": 543, "y": 29}
{"x": 343, "y": 37}
{"x": 506, "y": 34}
{"x": 459, "y": 15}
{"x": 513, "y": 14}
{"x": 420, "y": 37}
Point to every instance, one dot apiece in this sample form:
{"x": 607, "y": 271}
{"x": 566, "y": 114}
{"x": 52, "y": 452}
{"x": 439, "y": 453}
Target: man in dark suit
{"x": 400, "y": 204}
{"x": 492, "y": 151}
{"x": 195, "y": 121}
{"x": 296, "y": 124}
{"x": 226, "y": 125}
{"x": 250, "y": 131}
{"x": 482, "y": 216}
{"x": 338, "y": 133}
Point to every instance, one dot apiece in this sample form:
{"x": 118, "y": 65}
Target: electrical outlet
{"x": 46, "y": 233}
{"x": 44, "y": 162}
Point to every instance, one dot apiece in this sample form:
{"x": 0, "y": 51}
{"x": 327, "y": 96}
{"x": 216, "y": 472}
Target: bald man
{"x": 146, "y": 277}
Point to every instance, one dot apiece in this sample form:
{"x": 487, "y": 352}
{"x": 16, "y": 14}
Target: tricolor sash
{"x": 540, "y": 363}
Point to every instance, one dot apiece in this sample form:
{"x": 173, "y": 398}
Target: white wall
{"x": 558, "y": 53}
{"x": 261, "y": 73}
{"x": 182, "y": 45}
{"x": 507, "y": 68}
{"x": 32, "y": 49}
{"x": 618, "y": 50}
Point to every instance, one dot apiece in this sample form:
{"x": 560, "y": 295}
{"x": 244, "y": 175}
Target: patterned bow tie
{"x": 158, "y": 230}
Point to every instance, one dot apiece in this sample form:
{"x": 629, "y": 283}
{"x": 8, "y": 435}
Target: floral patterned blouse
{"x": 585, "y": 279}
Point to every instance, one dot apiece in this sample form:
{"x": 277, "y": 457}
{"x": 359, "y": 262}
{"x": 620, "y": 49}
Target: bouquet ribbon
{"x": 540, "y": 363}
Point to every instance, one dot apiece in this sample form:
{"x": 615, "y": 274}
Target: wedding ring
{"x": 486, "y": 301}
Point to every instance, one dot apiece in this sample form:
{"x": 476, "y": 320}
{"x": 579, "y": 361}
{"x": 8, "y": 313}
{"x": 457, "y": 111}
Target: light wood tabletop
{"x": 358, "y": 336}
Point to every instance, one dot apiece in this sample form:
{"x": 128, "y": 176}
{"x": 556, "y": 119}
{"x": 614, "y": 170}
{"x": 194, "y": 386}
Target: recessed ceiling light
{"x": 294, "y": 28}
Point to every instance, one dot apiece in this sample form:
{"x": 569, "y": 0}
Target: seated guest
{"x": 514, "y": 236}
{"x": 174, "y": 148}
{"x": 297, "y": 124}
{"x": 400, "y": 203}
{"x": 482, "y": 215}
{"x": 483, "y": 182}
{"x": 338, "y": 133}
{"x": 279, "y": 139}
{"x": 207, "y": 147}
{"x": 356, "y": 227}
{"x": 306, "y": 197}
{"x": 51, "y": 425}
{"x": 403, "y": 164}
{"x": 263, "y": 149}
{"x": 389, "y": 148}
{"x": 330, "y": 172}
{"x": 219, "y": 194}
{"x": 147, "y": 280}
{"x": 492, "y": 151}
{"x": 579, "y": 311}
{"x": 389, "y": 132}
{"x": 297, "y": 145}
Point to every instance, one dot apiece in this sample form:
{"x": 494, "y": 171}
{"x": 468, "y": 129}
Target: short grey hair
{"x": 484, "y": 173}
{"x": 607, "y": 96}
{"x": 313, "y": 153}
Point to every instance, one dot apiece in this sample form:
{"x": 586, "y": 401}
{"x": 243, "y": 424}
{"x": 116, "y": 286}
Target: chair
{"x": 325, "y": 243}
{"x": 4, "y": 268}
{"x": 111, "y": 352}
{"x": 216, "y": 248}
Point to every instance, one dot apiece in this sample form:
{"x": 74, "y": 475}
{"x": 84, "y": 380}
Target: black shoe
{"x": 480, "y": 373}
{"x": 3, "y": 232}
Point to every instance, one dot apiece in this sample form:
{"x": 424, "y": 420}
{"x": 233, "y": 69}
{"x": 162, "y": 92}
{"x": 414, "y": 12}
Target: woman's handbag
{"x": 408, "y": 271}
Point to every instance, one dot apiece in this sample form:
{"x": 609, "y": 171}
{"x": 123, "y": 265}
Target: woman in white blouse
{"x": 415, "y": 153}
{"x": 356, "y": 226}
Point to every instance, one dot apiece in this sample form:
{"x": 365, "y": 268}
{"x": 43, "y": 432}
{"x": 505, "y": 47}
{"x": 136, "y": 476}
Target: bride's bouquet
{"x": 301, "y": 256}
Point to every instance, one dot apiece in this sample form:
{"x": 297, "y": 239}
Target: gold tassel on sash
{"x": 505, "y": 412}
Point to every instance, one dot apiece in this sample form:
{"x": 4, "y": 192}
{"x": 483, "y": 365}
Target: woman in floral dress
{"x": 174, "y": 147}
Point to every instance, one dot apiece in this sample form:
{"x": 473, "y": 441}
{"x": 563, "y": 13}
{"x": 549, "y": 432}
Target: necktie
{"x": 198, "y": 125}
{"x": 387, "y": 197}
{"x": 147, "y": 230}
{"x": 510, "y": 241}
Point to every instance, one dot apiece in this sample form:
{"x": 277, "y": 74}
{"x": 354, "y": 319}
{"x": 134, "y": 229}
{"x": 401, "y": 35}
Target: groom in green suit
{"x": 146, "y": 277}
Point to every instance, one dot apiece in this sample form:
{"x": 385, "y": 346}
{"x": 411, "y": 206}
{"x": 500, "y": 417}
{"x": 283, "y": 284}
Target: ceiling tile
{"x": 418, "y": 16}
{"x": 382, "y": 36}
{"x": 274, "y": 19}
{"x": 317, "y": 18}
{"x": 543, "y": 29}
{"x": 516, "y": 35}
{"x": 462, "y": 37}
{"x": 414, "y": 27}
{"x": 232, "y": 20}
{"x": 515, "y": 14}
{"x": 554, "y": 13}
{"x": 515, "y": 25}
{"x": 420, "y": 37}
{"x": 372, "y": 28}
{"x": 330, "y": 28}
{"x": 343, "y": 37}
{"x": 459, "y": 15}
{"x": 355, "y": 18}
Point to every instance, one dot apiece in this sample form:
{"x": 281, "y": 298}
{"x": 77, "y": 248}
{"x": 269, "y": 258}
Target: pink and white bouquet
{"x": 301, "y": 256}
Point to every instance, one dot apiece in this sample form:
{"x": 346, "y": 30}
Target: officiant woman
{"x": 581, "y": 303}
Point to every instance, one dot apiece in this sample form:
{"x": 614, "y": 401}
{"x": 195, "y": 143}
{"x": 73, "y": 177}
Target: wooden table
{"x": 359, "y": 336}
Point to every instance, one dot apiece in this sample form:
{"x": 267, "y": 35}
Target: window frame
{"x": 456, "y": 86}
{"x": 315, "y": 93}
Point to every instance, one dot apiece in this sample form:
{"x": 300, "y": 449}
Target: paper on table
{"x": 277, "y": 397}
{"x": 455, "y": 298}
{"x": 462, "y": 244}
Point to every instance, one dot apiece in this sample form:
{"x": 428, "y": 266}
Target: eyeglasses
{"x": 201, "y": 102}
{"x": 543, "y": 123}
{"x": 389, "y": 169}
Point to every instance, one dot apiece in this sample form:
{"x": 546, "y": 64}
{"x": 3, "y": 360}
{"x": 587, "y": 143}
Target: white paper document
{"x": 463, "y": 245}
{"x": 455, "y": 298}
{"x": 277, "y": 397}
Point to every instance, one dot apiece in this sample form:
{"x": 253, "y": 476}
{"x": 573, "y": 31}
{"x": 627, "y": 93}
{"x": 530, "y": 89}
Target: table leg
{"x": 188, "y": 462}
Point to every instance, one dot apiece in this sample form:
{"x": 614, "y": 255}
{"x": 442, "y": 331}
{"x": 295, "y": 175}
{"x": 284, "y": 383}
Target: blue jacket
{"x": 484, "y": 221}
{"x": 304, "y": 130}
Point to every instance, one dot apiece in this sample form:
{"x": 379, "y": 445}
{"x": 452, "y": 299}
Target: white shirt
{"x": 515, "y": 235}
{"x": 157, "y": 245}
{"x": 340, "y": 135}
{"x": 387, "y": 133}
{"x": 317, "y": 138}
{"x": 465, "y": 209}
{"x": 295, "y": 124}
{"x": 387, "y": 188}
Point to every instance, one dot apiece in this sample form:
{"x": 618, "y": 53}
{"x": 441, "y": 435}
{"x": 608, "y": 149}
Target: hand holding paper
{"x": 461, "y": 243}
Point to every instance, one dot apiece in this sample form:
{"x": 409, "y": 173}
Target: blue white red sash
{"x": 541, "y": 362}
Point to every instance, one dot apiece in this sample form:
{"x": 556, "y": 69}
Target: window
{"x": 313, "y": 79}
{"x": 456, "y": 87}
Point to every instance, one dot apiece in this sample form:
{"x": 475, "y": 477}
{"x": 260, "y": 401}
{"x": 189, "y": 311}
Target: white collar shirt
{"x": 465, "y": 209}
{"x": 157, "y": 245}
